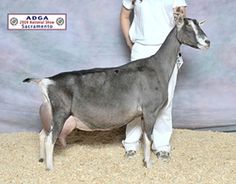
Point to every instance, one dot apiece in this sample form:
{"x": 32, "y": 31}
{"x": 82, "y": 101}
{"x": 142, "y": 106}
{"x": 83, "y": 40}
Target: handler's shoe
{"x": 130, "y": 153}
{"x": 163, "y": 155}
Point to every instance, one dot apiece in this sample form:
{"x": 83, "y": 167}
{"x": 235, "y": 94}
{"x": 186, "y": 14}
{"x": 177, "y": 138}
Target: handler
{"x": 152, "y": 22}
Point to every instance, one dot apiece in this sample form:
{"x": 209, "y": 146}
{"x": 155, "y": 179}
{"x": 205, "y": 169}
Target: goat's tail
{"x": 37, "y": 80}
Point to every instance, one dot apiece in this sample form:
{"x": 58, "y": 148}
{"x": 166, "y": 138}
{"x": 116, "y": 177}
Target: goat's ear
{"x": 202, "y": 22}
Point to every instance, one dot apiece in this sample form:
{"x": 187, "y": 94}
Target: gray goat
{"x": 108, "y": 98}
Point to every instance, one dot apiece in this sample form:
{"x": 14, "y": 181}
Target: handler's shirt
{"x": 153, "y": 20}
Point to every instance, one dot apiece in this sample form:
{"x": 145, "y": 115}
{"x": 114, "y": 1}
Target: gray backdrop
{"x": 205, "y": 93}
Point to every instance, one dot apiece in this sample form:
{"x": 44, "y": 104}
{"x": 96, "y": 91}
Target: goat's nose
{"x": 207, "y": 42}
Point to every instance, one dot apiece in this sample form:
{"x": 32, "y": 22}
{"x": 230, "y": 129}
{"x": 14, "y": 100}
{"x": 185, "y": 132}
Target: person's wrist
{"x": 129, "y": 43}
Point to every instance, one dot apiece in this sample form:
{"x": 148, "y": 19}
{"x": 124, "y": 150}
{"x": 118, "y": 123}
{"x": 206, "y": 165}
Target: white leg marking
{"x": 147, "y": 151}
{"x": 42, "y": 136}
{"x": 44, "y": 87}
{"x": 49, "y": 151}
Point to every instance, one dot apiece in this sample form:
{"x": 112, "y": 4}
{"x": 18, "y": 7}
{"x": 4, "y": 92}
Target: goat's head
{"x": 190, "y": 33}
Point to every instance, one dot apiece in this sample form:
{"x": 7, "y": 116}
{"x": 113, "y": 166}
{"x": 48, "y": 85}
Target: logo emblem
{"x": 14, "y": 21}
{"x": 60, "y": 21}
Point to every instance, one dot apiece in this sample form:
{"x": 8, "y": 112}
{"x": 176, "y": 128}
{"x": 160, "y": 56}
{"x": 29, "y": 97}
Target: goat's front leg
{"x": 147, "y": 151}
{"x": 148, "y": 124}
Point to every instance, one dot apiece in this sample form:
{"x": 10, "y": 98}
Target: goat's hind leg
{"x": 59, "y": 118}
{"x": 46, "y": 118}
{"x": 49, "y": 146}
{"x": 42, "y": 136}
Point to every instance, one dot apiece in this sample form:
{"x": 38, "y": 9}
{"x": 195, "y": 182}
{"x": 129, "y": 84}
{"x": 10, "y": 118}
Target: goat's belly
{"x": 102, "y": 119}
{"x": 82, "y": 126}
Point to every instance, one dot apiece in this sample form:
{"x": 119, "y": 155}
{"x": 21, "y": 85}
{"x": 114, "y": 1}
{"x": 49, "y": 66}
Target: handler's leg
{"x": 163, "y": 127}
{"x": 133, "y": 135}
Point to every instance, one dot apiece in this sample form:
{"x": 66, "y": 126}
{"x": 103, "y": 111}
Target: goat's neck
{"x": 165, "y": 58}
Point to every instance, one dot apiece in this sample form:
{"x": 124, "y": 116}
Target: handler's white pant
{"x": 163, "y": 126}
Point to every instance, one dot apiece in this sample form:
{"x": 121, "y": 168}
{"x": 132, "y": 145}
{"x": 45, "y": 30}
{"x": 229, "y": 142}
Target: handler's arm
{"x": 125, "y": 24}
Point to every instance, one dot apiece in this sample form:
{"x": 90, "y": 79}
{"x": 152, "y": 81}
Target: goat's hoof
{"x": 163, "y": 156}
{"x": 49, "y": 168}
{"x": 41, "y": 160}
{"x": 130, "y": 153}
{"x": 147, "y": 164}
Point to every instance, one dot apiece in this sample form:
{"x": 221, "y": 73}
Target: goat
{"x": 108, "y": 98}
